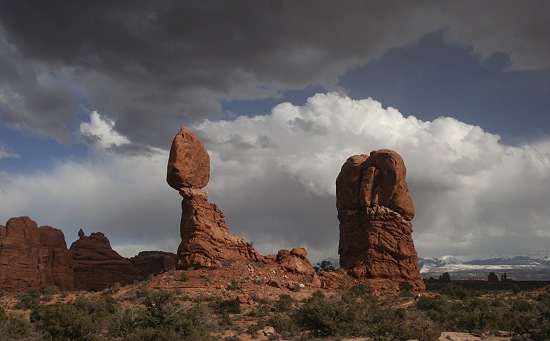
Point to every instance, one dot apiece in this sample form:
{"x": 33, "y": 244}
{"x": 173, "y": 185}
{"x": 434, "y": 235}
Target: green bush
{"x": 284, "y": 325}
{"x": 230, "y": 306}
{"x": 30, "y": 300}
{"x": 285, "y": 303}
{"x": 13, "y": 328}
{"x": 163, "y": 309}
{"x": 405, "y": 287}
{"x": 357, "y": 314}
{"x": 64, "y": 322}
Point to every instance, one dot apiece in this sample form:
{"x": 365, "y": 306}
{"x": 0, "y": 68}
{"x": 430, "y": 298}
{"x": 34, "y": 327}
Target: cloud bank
{"x": 151, "y": 65}
{"x": 274, "y": 178}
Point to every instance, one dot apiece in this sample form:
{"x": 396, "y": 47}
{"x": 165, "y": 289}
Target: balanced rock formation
{"x": 97, "y": 266}
{"x": 206, "y": 240}
{"x": 375, "y": 212}
{"x": 33, "y": 257}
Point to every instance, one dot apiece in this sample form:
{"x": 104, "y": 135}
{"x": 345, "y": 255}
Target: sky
{"x": 281, "y": 93}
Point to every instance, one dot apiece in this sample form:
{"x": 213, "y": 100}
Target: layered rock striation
{"x": 205, "y": 237}
{"x": 375, "y": 212}
{"x": 33, "y": 257}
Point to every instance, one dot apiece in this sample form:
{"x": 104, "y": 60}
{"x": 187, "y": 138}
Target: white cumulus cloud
{"x": 274, "y": 178}
{"x": 101, "y": 130}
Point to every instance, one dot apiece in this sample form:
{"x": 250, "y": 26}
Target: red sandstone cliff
{"x": 33, "y": 257}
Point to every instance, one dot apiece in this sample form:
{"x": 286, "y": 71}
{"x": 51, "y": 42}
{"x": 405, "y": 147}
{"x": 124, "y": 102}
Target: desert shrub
{"x": 162, "y": 308}
{"x": 359, "y": 290}
{"x": 461, "y": 293}
{"x": 113, "y": 290}
{"x": 516, "y": 289}
{"x": 234, "y": 285}
{"x": 260, "y": 311}
{"x": 64, "y": 321}
{"x": 357, "y": 314}
{"x": 229, "y": 306}
{"x": 49, "y": 290}
{"x": 100, "y": 306}
{"x": 29, "y": 300}
{"x": 285, "y": 303}
{"x": 522, "y": 306}
{"x": 12, "y": 327}
{"x": 124, "y": 321}
{"x": 405, "y": 287}
{"x": 155, "y": 334}
{"x": 479, "y": 315}
{"x": 167, "y": 316}
{"x": 284, "y": 325}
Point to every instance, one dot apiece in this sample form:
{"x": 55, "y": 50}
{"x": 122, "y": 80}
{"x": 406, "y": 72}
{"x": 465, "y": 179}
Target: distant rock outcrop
{"x": 375, "y": 210}
{"x": 154, "y": 262}
{"x": 97, "y": 266}
{"x": 33, "y": 257}
{"x": 295, "y": 261}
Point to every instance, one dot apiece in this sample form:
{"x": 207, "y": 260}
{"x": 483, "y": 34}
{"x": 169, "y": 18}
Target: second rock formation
{"x": 375, "y": 212}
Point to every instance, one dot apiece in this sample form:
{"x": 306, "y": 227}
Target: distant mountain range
{"x": 516, "y": 268}
{"x": 520, "y": 268}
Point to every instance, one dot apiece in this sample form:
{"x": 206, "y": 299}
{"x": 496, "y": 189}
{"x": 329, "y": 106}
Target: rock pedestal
{"x": 33, "y": 257}
{"x": 375, "y": 210}
{"x": 205, "y": 238}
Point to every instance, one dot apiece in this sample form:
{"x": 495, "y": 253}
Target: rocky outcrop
{"x": 205, "y": 237}
{"x": 33, "y": 257}
{"x": 375, "y": 212}
{"x": 97, "y": 266}
{"x": 295, "y": 261}
{"x": 154, "y": 262}
{"x": 206, "y": 240}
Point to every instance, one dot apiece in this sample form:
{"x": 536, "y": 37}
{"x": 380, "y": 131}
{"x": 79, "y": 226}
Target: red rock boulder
{"x": 374, "y": 210}
{"x": 295, "y": 261}
{"x": 33, "y": 257}
{"x": 188, "y": 163}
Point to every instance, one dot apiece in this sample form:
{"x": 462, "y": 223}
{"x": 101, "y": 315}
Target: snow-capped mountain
{"x": 518, "y": 260}
{"x": 437, "y": 262}
{"x": 517, "y": 267}
{"x": 448, "y": 259}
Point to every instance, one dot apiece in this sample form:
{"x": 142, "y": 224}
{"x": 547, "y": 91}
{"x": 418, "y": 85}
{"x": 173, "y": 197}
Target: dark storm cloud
{"x": 155, "y": 65}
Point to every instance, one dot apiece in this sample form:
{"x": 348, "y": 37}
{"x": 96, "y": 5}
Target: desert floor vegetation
{"x": 139, "y": 312}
